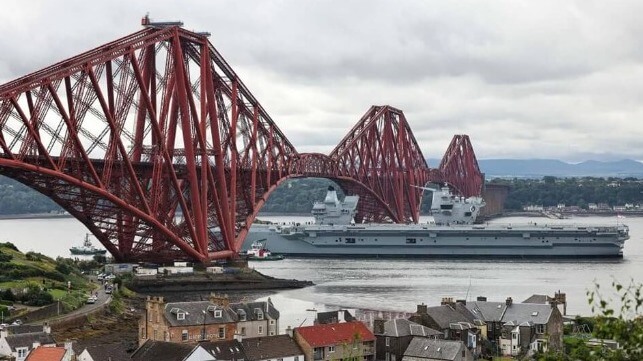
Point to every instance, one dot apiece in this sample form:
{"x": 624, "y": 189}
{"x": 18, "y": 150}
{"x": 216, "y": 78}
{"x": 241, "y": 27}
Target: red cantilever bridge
{"x": 152, "y": 141}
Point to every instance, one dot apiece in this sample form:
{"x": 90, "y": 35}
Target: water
{"x": 392, "y": 285}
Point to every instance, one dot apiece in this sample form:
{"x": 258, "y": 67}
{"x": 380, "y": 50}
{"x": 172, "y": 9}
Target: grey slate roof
{"x": 194, "y": 313}
{"x": 445, "y": 315}
{"x": 400, "y": 327}
{"x": 527, "y": 312}
{"x": 536, "y": 299}
{"x": 487, "y": 311}
{"x": 332, "y": 317}
{"x": 28, "y": 339}
{"x": 225, "y": 350}
{"x": 266, "y": 307}
{"x": 270, "y": 347}
{"x": 426, "y": 348}
{"x": 161, "y": 351}
{"x": 18, "y": 329}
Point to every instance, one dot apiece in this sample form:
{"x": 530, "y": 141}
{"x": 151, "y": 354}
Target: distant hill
{"x": 537, "y": 168}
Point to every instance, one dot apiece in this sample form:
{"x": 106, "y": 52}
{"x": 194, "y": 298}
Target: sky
{"x": 524, "y": 79}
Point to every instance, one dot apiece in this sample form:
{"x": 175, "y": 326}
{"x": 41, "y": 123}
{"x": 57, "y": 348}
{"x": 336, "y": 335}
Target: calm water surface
{"x": 392, "y": 285}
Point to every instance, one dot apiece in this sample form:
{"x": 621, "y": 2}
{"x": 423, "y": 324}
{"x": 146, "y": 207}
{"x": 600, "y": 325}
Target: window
{"x": 22, "y": 352}
{"x": 393, "y": 357}
{"x": 242, "y": 314}
{"x": 410, "y": 240}
{"x": 331, "y": 348}
{"x": 296, "y": 358}
{"x": 350, "y": 240}
{"x": 541, "y": 328}
{"x": 218, "y": 313}
{"x": 184, "y": 335}
{"x": 388, "y": 356}
{"x": 154, "y": 335}
{"x": 221, "y": 332}
{"x": 259, "y": 313}
{"x": 260, "y": 330}
{"x": 388, "y": 341}
{"x": 272, "y": 333}
{"x": 272, "y": 322}
{"x": 318, "y": 353}
{"x": 180, "y": 316}
{"x": 243, "y": 331}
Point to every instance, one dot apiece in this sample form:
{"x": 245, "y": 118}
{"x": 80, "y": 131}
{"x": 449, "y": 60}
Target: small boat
{"x": 87, "y": 248}
{"x": 259, "y": 252}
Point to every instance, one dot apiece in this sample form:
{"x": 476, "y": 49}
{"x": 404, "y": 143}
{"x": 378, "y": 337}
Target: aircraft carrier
{"x": 453, "y": 233}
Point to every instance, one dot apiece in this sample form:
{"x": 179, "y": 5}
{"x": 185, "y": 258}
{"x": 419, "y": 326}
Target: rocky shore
{"x": 244, "y": 280}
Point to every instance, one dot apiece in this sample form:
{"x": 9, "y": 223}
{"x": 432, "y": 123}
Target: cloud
{"x": 523, "y": 79}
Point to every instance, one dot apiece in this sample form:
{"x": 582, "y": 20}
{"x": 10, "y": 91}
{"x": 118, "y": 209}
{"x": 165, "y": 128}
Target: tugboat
{"x": 259, "y": 252}
{"x": 87, "y": 248}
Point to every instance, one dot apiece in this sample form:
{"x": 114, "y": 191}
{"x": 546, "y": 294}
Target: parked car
{"x": 91, "y": 299}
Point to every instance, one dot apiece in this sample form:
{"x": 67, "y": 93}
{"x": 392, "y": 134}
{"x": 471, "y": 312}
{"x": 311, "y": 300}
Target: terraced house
{"x": 212, "y": 320}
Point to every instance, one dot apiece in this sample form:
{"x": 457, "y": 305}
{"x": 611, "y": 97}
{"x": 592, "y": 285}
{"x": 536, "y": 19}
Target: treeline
{"x": 298, "y": 195}
{"x": 551, "y": 191}
{"x": 16, "y": 198}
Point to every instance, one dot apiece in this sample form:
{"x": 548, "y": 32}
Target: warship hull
{"x": 434, "y": 241}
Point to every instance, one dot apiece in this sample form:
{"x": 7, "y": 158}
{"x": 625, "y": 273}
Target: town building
{"x": 57, "y": 353}
{"x": 336, "y": 341}
{"x": 187, "y": 322}
{"x": 516, "y": 328}
{"x": 256, "y": 319}
{"x": 279, "y": 347}
{"x": 425, "y": 349}
{"x": 231, "y": 350}
{"x": 161, "y": 351}
{"x": 392, "y": 337}
{"x": 20, "y": 345}
{"x": 334, "y": 317}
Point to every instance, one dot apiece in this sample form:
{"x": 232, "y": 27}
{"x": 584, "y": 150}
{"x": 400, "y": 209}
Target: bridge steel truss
{"x": 154, "y": 144}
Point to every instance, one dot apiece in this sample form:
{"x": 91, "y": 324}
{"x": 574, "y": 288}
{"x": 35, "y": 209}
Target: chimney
{"x": 464, "y": 302}
{"x": 447, "y": 301}
{"x": 509, "y": 301}
{"x": 378, "y": 326}
{"x": 481, "y": 299}
{"x": 268, "y": 304}
{"x": 68, "y": 345}
{"x": 289, "y": 331}
{"x": 561, "y": 299}
{"x": 340, "y": 316}
{"x": 221, "y": 300}
{"x": 422, "y": 309}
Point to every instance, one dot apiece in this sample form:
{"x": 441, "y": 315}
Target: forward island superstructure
{"x": 453, "y": 233}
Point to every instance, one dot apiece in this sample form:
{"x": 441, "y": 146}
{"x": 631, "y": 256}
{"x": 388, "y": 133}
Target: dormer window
{"x": 180, "y": 316}
{"x": 259, "y": 313}
{"x": 218, "y": 313}
{"x": 242, "y": 314}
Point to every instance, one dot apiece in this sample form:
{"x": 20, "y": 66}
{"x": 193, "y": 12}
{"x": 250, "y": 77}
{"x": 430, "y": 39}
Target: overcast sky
{"x": 524, "y": 79}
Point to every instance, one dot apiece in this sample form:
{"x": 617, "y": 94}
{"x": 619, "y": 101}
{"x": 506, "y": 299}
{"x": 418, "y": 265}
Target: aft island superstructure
{"x": 452, "y": 234}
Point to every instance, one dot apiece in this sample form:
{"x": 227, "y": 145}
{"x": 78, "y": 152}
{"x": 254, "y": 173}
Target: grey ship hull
{"x": 462, "y": 241}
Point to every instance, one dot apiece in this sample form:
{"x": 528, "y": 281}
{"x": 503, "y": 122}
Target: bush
{"x": 9, "y": 245}
{"x": 8, "y": 295}
{"x": 36, "y": 296}
{"x": 5, "y": 257}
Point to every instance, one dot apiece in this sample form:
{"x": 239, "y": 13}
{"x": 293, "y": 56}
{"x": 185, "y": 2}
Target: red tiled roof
{"x": 43, "y": 353}
{"x": 334, "y": 333}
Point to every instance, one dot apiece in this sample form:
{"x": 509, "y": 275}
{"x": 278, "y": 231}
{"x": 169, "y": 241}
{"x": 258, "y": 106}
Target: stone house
{"x": 425, "y": 349}
{"x": 392, "y": 337}
{"x": 256, "y": 319}
{"x": 453, "y": 320}
{"x": 187, "y": 322}
{"x": 517, "y": 328}
{"x": 336, "y": 341}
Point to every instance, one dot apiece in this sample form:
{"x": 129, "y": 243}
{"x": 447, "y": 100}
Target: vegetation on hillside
{"x": 298, "y": 195}
{"x": 33, "y": 279}
{"x": 550, "y": 191}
